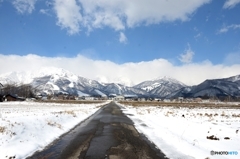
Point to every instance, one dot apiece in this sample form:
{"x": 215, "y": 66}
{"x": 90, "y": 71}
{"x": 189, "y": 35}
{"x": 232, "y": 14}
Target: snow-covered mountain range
{"x": 51, "y": 80}
{"x": 221, "y": 88}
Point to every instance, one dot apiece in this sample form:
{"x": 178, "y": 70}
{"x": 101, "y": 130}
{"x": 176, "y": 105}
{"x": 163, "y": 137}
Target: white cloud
{"x": 230, "y": 4}
{"x": 45, "y": 11}
{"x": 24, "y": 6}
{"x": 122, "y": 38}
{"x": 197, "y": 36}
{"x": 187, "y": 56}
{"x": 68, "y": 15}
{"x": 232, "y": 58}
{"x": 120, "y": 14}
{"x": 227, "y": 28}
{"x": 128, "y": 73}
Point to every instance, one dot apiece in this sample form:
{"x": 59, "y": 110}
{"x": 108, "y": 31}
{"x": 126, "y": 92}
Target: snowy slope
{"x": 119, "y": 89}
{"x": 211, "y": 88}
{"x": 161, "y": 87}
{"x": 65, "y": 85}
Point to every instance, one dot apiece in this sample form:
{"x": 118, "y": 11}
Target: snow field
{"x": 186, "y": 133}
{"x": 26, "y": 127}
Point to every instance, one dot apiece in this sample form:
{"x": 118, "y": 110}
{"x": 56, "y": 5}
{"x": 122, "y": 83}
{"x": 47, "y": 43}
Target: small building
{"x": 119, "y": 98}
{"x": 130, "y": 97}
{"x": 89, "y": 98}
{"x": 198, "y": 100}
{"x": 70, "y": 97}
{"x": 111, "y": 96}
{"x": 80, "y": 98}
{"x": 142, "y": 99}
{"x": 61, "y": 97}
{"x": 180, "y": 99}
{"x": 167, "y": 100}
{"x": 10, "y": 97}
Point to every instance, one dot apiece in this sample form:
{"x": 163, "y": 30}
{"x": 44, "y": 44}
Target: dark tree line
{"x": 23, "y": 90}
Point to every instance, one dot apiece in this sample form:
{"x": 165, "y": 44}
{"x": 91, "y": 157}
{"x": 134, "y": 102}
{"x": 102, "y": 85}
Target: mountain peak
{"x": 167, "y": 78}
{"x": 161, "y": 86}
{"x": 234, "y": 78}
{"x": 27, "y": 77}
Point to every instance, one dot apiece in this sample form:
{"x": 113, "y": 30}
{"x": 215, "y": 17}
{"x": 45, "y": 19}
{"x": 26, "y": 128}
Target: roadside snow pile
{"x": 188, "y": 133}
{"x": 26, "y": 127}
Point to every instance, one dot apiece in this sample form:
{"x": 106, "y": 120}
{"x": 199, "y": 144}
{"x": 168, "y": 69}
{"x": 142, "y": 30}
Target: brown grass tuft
{"x": 2, "y": 129}
{"x": 212, "y": 137}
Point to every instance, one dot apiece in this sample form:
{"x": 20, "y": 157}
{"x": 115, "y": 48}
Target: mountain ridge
{"x": 51, "y": 80}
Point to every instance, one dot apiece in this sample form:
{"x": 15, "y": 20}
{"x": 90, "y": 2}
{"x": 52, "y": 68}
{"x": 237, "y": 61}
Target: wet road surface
{"x": 107, "y": 134}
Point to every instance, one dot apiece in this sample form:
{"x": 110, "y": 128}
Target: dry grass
{"x": 70, "y": 112}
{"x": 176, "y": 104}
{"x": 2, "y": 129}
{"x": 54, "y": 124}
{"x": 236, "y": 115}
{"x": 212, "y": 137}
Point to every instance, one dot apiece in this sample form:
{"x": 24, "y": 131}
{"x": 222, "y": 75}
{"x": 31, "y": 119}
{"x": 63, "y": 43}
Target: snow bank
{"x": 189, "y": 133}
{"x": 26, "y": 127}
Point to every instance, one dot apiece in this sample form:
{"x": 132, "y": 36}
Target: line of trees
{"x": 23, "y": 90}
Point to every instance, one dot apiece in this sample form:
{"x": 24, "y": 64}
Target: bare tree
{"x": 23, "y": 90}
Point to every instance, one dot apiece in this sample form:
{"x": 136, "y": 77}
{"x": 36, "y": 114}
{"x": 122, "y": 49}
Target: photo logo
{"x": 223, "y": 152}
{"x": 212, "y": 152}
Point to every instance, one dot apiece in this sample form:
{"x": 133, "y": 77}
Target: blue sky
{"x": 185, "y": 34}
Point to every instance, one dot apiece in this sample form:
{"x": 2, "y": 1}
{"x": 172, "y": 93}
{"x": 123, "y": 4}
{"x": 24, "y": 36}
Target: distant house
{"x": 180, "y": 99}
{"x": 10, "y": 97}
{"x": 80, "y": 98}
{"x": 130, "y": 97}
{"x": 198, "y": 99}
{"x": 142, "y": 99}
{"x": 167, "y": 100}
{"x": 70, "y": 97}
{"x": 61, "y": 97}
{"x": 119, "y": 98}
{"x": 89, "y": 98}
{"x": 111, "y": 96}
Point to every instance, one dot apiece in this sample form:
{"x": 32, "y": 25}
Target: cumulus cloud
{"x": 230, "y": 4}
{"x": 24, "y": 6}
{"x": 127, "y": 73}
{"x": 122, "y": 38}
{"x": 227, "y": 28}
{"x": 68, "y": 15}
{"x": 187, "y": 56}
{"x": 120, "y": 14}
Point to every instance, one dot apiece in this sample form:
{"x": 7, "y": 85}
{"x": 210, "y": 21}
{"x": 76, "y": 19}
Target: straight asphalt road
{"x": 107, "y": 134}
